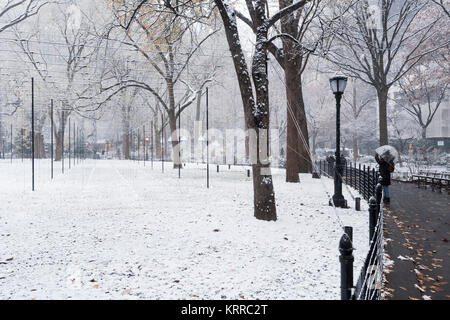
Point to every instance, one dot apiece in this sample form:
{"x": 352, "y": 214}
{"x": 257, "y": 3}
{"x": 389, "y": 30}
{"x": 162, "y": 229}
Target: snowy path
{"x": 117, "y": 230}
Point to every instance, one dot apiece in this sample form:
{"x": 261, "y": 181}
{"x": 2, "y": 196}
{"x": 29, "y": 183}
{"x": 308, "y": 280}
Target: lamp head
{"x": 338, "y": 84}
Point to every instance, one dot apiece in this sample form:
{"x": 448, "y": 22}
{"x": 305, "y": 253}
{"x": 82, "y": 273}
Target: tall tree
{"x": 298, "y": 42}
{"x": 375, "y": 43}
{"x": 360, "y": 99}
{"x": 13, "y": 12}
{"x": 168, "y": 42}
{"x": 256, "y": 103}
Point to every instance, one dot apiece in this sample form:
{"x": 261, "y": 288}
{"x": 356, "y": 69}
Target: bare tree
{"x": 13, "y": 12}
{"x": 69, "y": 49}
{"x": 256, "y": 103}
{"x": 443, "y": 4}
{"x": 423, "y": 100}
{"x": 299, "y": 41}
{"x": 359, "y": 101}
{"x": 375, "y": 43}
{"x": 168, "y": 42}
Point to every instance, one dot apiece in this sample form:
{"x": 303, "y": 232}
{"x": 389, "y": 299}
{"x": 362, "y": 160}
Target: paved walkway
{"x": 417, "y": 227}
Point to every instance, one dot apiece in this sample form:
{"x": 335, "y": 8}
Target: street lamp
{"x": 338, "y": 85}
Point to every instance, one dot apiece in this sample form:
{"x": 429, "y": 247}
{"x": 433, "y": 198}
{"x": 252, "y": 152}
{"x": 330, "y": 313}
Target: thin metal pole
{"x": 179, "y": 141}
{"x": 21, "y": 133}
{"x": 69, "y": 144}
{"x": 138, "y": 144}
{"x": 79, "y": 145}
{"x": 338, "y": 198}
{"x": 207, "y": 137}
{"x": 74, "y": 145}
{"x": 162, "y": 142}
{"x": 153, "y": 143}
{"x": 32, "y": 134}
{"x": 145, "y": 151}
{"x": 51, "y": 136}
{"x": 11, "y": 142}
{"x": 62, "y": 142}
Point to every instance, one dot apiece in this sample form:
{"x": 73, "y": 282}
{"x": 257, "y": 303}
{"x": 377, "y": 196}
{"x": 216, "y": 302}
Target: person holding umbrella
{"x": 385, "y": 157}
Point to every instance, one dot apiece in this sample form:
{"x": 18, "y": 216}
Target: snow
{"x": 110, "y": 229}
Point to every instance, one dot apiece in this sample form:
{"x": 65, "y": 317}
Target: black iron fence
{"x": 370, "y": 280}
{"x": 362, "y": 178}
{"x": 369, "y": 283}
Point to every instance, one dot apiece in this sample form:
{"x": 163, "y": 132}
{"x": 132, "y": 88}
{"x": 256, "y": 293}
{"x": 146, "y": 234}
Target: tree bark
{"x": 297, "y": 153}
{"x": 292, "y": 137}
{"x": 58, "y": 145}
{"x": 355, "y": 148}
{"x": 382, "y": 114}
{"x": 157, "y": 140}
{"x": 256, "y": 113}
{"x": 304, "y": 158}
{"x": 126, "y": 145}
{"x": 59, "y": 135}
{"x": 39, "y": 151}
{"x": 174, "y": 139}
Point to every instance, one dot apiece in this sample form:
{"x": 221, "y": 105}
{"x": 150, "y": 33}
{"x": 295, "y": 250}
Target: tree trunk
{"x": 59, "y": 134}
{"x": 355, "y": 148}
{"x": 382, "y": 114}
{"x": 314, "y": 140}
{"x": 424, "y": 143}
{"x": 126, "y": 145}
{"x": 304, "y": 158}
{"x": 174, "y": 138}
{"x": 39, "y": 151}
{"x": 58, "y": 145}
{"x": 292, "y": 137}
{"x": 157, "y": 143}
{"x": 256, "y": 115}
{"x": 264, "y": 197}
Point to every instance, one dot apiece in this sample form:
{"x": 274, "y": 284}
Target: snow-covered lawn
{"x": 112, "y": 229}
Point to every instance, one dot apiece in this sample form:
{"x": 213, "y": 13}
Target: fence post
{"x": 373, "y": 216}
{"x": 351, "y": 181}
{"x": 374, "y": 178}
{"x": 364, "y": 183}
{"x": 358, "y": 204}
{"x": 359, "y": 178}
{"x": 346, "y": 259}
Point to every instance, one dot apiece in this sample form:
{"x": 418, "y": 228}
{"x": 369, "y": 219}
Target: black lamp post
{"x": 338, "y": 84}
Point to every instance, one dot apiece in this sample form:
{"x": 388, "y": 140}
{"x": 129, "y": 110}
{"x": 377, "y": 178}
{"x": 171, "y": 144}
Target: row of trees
{"x": 147, "y": 59}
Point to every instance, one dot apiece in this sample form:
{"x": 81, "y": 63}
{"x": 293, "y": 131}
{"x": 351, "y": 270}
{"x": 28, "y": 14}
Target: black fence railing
{"x": 370, "y": 280}
{"x": 369, "y": 283}
{"x": 362, "y": 178}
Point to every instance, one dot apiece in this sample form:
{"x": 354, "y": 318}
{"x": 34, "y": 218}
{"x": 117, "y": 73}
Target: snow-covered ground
{"x": 112, "y": 229}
